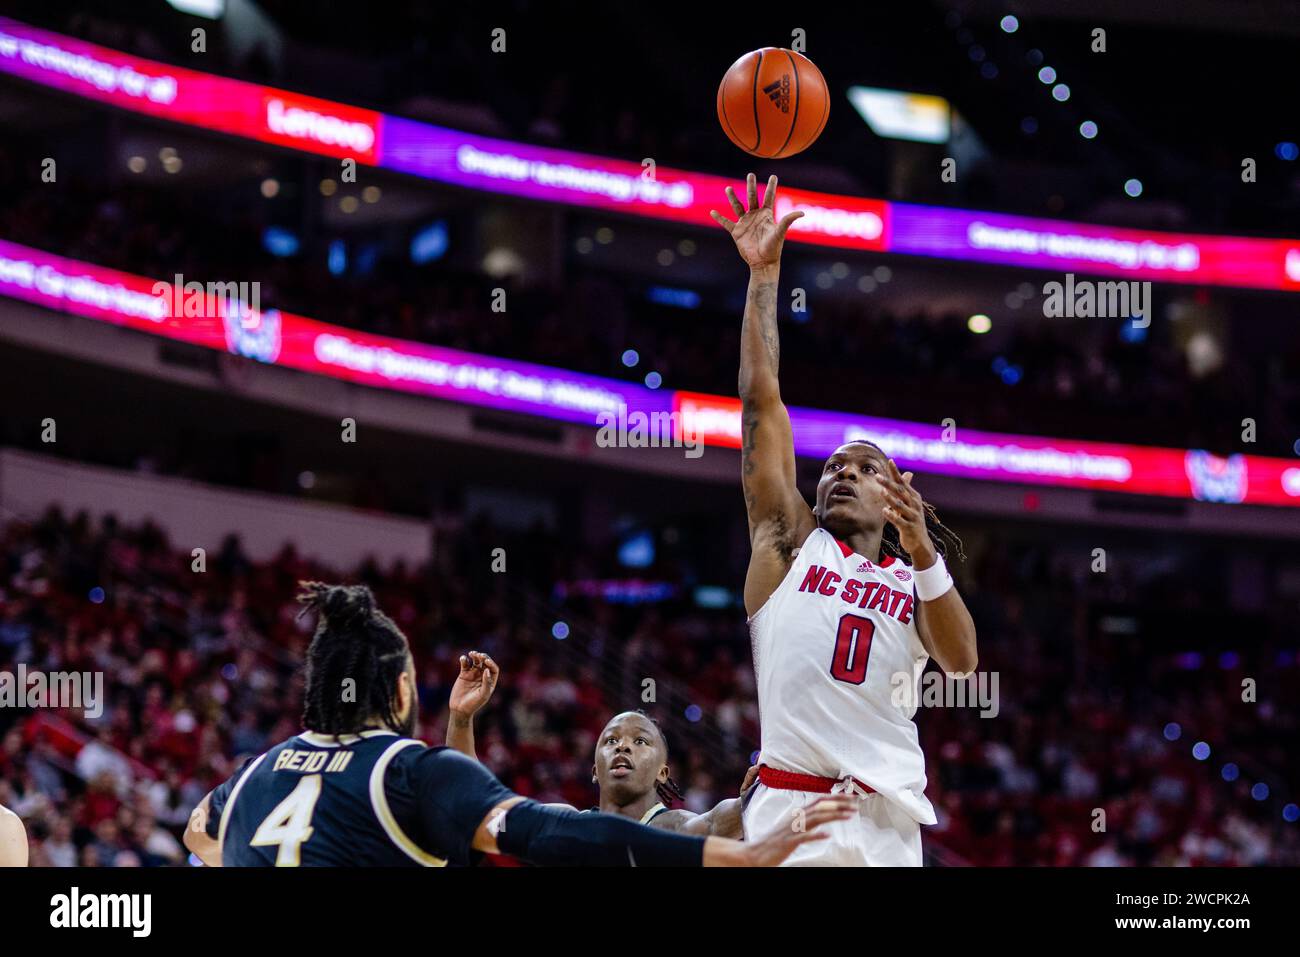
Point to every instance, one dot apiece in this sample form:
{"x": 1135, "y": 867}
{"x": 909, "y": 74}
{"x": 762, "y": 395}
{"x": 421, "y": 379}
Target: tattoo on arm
{"x": 761, "y": 308}
{"x": 760, "y": 358}
{"x": 779, "y": 522}
{"x": 722, "y": 820}
{"x": 672, "y": 820}
{"x": 748, "y": 430}
{"x": 760, "y": 312}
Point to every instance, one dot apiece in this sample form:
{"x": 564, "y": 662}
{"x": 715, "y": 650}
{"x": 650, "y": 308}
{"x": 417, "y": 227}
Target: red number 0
{"x": 852, "y": 649}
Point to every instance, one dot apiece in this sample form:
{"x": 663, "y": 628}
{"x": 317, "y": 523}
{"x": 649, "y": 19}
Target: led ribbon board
{"x": 296, "y": 342}
{"x": 326, "y": 128}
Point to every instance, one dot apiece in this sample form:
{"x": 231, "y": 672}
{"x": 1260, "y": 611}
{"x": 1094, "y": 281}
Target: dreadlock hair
{"x": 946, "y": 541}
{"x": 353, "y": 640}
{"x": 667, "y": 790}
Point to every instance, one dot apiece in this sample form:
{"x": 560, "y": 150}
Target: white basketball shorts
{"x": 882, "y": 834}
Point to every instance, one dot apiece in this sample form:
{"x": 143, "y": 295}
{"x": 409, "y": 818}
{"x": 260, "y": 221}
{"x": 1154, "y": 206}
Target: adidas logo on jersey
{"x": 866, "y": 567}
{"x": 779, "y": 92}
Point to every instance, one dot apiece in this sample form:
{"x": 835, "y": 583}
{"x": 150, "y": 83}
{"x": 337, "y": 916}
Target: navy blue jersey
{"x": 647, "y": 818}
{"x": 368, "y": 800}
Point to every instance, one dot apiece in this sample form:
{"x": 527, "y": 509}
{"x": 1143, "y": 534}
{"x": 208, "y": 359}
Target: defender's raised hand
{"x": 475, "y": 683}
{"x": 758, "y": 236}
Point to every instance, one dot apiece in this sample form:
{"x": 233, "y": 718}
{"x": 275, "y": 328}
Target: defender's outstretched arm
{"x": 548, "y": 836}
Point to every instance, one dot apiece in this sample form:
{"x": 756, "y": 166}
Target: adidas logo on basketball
{"x": 779, "y": 92}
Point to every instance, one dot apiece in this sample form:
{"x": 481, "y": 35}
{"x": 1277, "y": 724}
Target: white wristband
{"x": 932, "y": 582}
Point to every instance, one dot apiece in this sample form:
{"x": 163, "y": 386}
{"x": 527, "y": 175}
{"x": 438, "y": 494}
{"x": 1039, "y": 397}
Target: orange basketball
{"x": 773, "y": 103}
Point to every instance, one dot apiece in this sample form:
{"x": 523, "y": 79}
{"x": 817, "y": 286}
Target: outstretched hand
{"x": 475, "y": 683}
{"x": 757, "y": 234}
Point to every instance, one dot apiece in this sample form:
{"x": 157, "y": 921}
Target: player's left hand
{"x": 751, "y": 778}
{"x": 905, "y": 510}
{"x": 475, "y": 683}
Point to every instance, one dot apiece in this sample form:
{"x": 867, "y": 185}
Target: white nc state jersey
{"x": 834, "y": 647}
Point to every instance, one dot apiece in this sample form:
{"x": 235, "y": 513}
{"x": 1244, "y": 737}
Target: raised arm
{"x": 474, "y": 686}
{"x": 779, "y": 518}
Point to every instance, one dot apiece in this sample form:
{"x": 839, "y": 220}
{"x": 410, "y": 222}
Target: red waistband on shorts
{"x": 793, "y": 781}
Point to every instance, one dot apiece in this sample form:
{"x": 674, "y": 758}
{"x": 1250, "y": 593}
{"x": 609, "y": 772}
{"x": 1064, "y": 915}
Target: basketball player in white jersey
{"x": 847, "y": 601}
{"x": 13, "y": 839}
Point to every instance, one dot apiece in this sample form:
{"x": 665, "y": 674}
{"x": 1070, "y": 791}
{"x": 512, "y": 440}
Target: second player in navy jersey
{"x": 629, "y": 767}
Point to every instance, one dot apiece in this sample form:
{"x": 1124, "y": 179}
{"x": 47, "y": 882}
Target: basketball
{"x": 773, "y": 103}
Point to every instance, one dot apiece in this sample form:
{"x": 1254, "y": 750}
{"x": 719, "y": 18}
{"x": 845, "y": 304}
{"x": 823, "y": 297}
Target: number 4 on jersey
{"x": 289, "y": 825}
